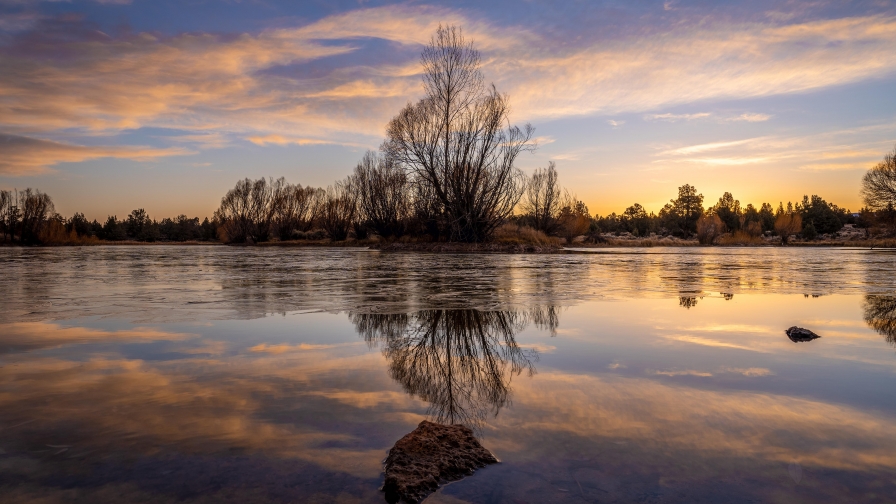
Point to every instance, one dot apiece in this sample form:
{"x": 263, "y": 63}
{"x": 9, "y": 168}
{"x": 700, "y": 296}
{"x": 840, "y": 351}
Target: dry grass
{"x": 511, "y": 234}
{"x": 740, "y": 238}
{"x": 869, "y": 243}
{"x": 55, "y": 235}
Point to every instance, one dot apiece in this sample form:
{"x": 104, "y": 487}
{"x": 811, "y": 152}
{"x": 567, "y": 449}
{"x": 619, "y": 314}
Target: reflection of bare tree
{"x": 460, "y": 361}
{"x": 880, "y": 315}
{"x": 546, "y": 318}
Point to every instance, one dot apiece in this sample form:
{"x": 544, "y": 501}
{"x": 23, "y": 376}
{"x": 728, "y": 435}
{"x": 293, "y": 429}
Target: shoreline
{"x": 484, "y": 248}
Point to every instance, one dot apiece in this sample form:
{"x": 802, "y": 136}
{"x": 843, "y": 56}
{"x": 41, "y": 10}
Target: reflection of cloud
{"x": 21, "y": 155}
{"x": 696, "y": 340}
{"x": 301, "y": 347}
{"x": 130, "y": 406}
{"x": 36, "y": 335}
{"x": 660, "y": 417}
{"x": 341, "y": 412}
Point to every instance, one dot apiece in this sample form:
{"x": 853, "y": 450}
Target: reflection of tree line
{"x": 880, "y": 315}
{"x": 460, "y": 361}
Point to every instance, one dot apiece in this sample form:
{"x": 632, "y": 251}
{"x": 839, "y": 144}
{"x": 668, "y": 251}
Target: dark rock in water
{"x": 431, "y": 454}
{"x": 798, "y": 334}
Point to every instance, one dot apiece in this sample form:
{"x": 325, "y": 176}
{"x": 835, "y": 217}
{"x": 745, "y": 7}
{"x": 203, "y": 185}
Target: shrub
{"x": 709, "y": 227}
{"x": 809, "y": 231}
{"x": 788, "y": 224}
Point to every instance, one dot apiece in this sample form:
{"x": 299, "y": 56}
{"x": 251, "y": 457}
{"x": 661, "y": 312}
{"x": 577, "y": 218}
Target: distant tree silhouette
{"x": 729, "y": 211}
{"x": 635, "y": 220}
{"x": 767, "y": 217}
{"x": 680, "y": 215}
{"x": 817, "y": 212}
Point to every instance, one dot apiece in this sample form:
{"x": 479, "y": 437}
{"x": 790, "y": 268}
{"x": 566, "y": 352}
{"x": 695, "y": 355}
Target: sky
{"x": 112, "y": 105}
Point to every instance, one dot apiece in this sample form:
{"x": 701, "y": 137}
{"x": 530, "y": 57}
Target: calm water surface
{"x": 215, "y": 374}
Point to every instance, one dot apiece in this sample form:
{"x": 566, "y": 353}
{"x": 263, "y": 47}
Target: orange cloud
{"x": 208, "y": 83}
{"x": 38, "y": 335}
{"x": 25, "y": 156}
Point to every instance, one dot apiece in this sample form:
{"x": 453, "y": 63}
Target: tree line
{"x": 447, "y": 172}
{"x": 29, "y": 218}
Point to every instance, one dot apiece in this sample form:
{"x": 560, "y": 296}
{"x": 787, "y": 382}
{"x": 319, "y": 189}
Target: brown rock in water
{"x": 431, "y": 454}
{"x": 799, "y": 334}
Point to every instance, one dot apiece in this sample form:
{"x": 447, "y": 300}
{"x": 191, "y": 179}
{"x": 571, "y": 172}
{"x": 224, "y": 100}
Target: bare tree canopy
{"x": 339, "y": 209}
{"x": 879, "y": 184}
{"x": 36, "y": 207}
{"x": 457, "y": 141}
{"x": 382, "y": 191}
{"x": 543, "y": 199}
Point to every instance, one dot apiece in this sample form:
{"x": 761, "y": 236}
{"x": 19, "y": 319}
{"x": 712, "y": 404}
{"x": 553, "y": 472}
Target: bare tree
{"x": 5, "y": 211}
{"x": 36, "y": 209}
{"x": 246, "y": 212}
{"x": 339, "y": 209}
{"x": 457, "y": 140}
{"x": 543, "y": 199}
{"x": 383, "y": 195}
{"x": 879, "y": 184}
{"x": 294, "y": 208}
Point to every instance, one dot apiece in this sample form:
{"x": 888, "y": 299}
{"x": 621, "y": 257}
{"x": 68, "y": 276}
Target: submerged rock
{"x": 431, "y": 454}
{"x": 798, "y": 334}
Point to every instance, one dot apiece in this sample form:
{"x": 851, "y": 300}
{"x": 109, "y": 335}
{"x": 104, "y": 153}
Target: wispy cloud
{"x": 687, "y": 372}
{"x": 696, "y": 149}
{"x": 282, "y": 140}
{"x": 676, "y": 117}
{"x": 250, "y": 85}
{"x": 750, "y": 117}
{"x": 20, "y": 155}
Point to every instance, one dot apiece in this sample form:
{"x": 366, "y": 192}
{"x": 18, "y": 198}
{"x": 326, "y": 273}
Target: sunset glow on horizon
{"x": 114, "y": 105}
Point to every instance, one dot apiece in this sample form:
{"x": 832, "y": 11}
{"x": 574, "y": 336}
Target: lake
{"x": 210, "y": 374}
